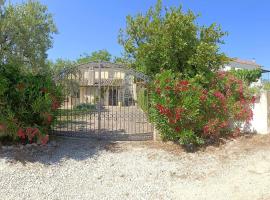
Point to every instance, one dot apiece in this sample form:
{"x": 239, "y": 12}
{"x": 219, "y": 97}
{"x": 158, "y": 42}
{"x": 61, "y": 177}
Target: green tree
{"x": 26, "y": 35}
{"x": 101, "y": 55}
{"x": 171, "y": 39}
{"x": 60, "y": 64}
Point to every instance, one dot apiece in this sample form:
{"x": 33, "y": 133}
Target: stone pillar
{"x": 156, "y": 135}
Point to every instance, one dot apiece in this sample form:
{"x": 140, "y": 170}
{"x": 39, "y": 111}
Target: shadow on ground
{"x": 58, "y": 150}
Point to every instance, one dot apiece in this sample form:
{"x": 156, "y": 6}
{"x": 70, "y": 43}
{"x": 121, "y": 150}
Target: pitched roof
{"x": 243, "y": 64}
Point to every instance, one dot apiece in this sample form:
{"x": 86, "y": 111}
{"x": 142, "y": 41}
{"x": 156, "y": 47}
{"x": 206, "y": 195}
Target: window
{"x": 118, "y": 75}
{"x": 86, "y": 75}
{"x": 104, "y": 75}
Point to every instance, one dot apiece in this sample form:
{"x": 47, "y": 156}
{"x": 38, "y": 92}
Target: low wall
{"x": 261, "y": 115}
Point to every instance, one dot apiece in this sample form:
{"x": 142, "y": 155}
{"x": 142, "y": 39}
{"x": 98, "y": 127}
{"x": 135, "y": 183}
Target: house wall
{"x": 261, "y": 115}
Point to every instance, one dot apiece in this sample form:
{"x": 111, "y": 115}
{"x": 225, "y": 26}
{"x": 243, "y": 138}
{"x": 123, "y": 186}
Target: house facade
{"x": 113, "y": 83}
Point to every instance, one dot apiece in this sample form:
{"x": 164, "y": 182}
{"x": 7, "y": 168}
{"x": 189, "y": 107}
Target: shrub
{"x": 190, "y": 111}
{"x": 28, "y": 103}
{"x": 143, "y": 99}
{"x": 248, "y": 76}
{"x": 85, "y": 107}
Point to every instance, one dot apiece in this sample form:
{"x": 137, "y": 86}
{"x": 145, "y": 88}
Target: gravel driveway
{"x": 88, "y": 169}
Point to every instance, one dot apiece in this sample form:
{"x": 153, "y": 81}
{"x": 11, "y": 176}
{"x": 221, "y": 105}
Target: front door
{"x": 113, "y": 97}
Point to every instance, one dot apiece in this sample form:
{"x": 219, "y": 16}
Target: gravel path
{"x": 80, "y": 169}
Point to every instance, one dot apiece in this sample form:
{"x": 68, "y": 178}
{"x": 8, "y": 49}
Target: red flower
{"x": 178, "y": 113}
{"x": 184, "y": 82}
{"x": 167, "y": 80}
{"x": 2, "y": 127}
{"x": 182, "y": 86}
{"x": 34, "y": 132}
{"x": 253, "y": 99}
{"x": 177, "y": 129}
{"x": 203, "y": 97}
{"x": 49, "y": 118}
{"x": 158, "y": 91}
{"x": 55, "y": 105}
{"x": 21, "y": 133}
{"x": 205, "y": 92}
{"x": 164, "y": 111}
{"x": 220, "y": 96}
{"x": 206, "y": 129}
{"x": 168, "y": 88}
{"x": 44, "y": 140}
{"x": 172, "y": 121}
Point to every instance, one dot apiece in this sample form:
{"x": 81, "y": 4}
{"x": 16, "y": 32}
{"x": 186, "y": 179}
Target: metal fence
{"x": 104, "y": 100}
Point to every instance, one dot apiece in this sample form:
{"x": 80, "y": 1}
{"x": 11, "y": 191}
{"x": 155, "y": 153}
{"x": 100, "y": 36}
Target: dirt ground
{"x": 91, "y": 169}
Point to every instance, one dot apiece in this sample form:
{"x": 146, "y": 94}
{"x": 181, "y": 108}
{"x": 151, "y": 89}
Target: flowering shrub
{"x": 190, "y": 111}
{"x": 28, "y": 104}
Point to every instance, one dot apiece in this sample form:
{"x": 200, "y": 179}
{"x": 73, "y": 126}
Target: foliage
{"x": 85, "y": 106}
{"x": 101, "y": 55}
{"x": 143, "y": 99}
{"x": 60, "y": 64}
{"x": 171, "y": 39}
{"x": 249, "y": 76}
{"x": 184, "y": 110}
{"x": 266, "y": 86}
{"x": 26, "y": 35}
{"x": 28, "y": 104}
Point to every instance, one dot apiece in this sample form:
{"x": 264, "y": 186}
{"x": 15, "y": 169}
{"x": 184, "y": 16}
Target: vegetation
{"x": 96, "y": 56}
{"x": 28, "y": 104}
{"x": 171, "y": 39}
{"x": 26, "y": 35}
{"x": 28, "y": 95}
{"x": 143, "y": 99}
{"x": 249, "y": 76}
{"x": 85, "y": 106}
{"x": 184, "y": 110}
{"x": 191, "y": 100}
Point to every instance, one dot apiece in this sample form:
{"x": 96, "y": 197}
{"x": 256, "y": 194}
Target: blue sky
{"x": 86, "y": 26}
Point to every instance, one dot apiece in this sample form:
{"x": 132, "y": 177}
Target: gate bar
{"x": 99, "y": 96}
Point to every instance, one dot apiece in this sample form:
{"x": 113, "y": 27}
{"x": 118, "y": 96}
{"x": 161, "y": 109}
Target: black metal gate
{"x": 104, "y": 100}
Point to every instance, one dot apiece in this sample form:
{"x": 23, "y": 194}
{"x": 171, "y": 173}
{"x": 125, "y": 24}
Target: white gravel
{"x": 80, "y": 169}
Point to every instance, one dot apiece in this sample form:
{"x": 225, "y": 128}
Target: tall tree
{"x": 171, "y": 39}
{"x": 26, "y": 35}
{"x": 60, "y": 64}
{"x": 101, "y": 55}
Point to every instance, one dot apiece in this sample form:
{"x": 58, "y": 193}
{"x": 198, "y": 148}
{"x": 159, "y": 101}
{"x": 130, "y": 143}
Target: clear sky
{"x": 89, "y": 25}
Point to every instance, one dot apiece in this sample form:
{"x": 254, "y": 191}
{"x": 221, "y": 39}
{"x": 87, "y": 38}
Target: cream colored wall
{"x": 88, "y": 94}
{"x": 261, "y": 115}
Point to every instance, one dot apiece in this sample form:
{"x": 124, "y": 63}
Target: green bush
{"x": 28, "y": 104}
{"x": 85, "y": 107}
{"x": 143, "y": 99}
{"x": 248, "y": 76}
{"x": 191, "y": 112}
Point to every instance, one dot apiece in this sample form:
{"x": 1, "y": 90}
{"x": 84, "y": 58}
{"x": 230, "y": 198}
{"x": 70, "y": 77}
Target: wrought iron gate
{"x": 104, "y": 100}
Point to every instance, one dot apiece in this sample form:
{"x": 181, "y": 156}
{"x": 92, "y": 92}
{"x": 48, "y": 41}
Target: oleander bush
{"x": 28, "y": 104}
{"x": 191, "y": 110}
